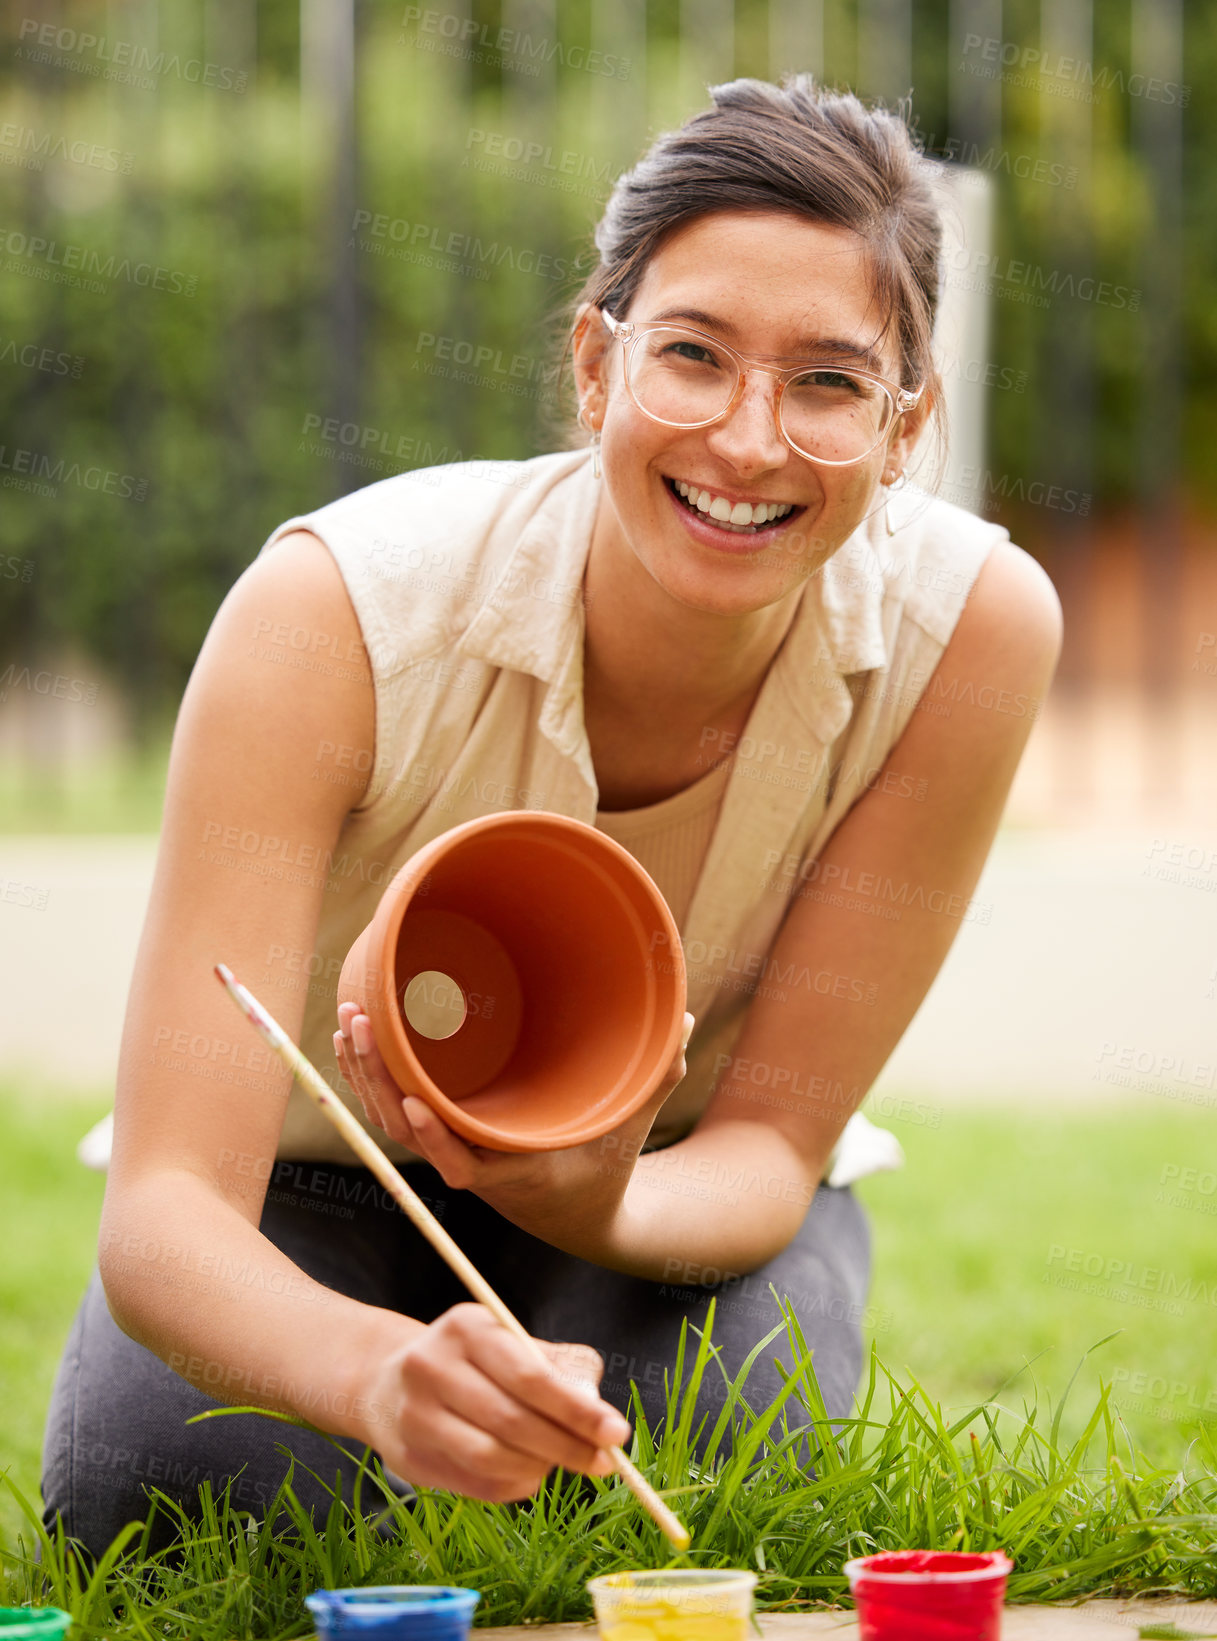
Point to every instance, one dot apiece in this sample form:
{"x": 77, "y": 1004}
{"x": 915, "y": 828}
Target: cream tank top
{"x": 467, "y": 582}
{"x": 669, "y": 839}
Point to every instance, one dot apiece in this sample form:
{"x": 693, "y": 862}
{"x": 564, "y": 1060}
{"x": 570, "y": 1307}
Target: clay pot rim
{"x": 472, "y": 1129}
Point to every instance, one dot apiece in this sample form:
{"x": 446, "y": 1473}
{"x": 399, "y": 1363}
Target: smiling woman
{"x": 788, "y": 285}
{"x": 710, "y": 636}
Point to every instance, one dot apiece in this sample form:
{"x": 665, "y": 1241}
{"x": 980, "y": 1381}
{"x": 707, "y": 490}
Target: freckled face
{"x": 775, "y": 286}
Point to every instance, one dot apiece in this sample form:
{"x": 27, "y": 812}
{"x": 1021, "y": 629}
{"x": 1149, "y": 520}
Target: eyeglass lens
{"x": 683, "y": 379}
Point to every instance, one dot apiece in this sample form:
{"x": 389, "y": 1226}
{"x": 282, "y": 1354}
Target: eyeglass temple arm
{"x": 909, "y": 398}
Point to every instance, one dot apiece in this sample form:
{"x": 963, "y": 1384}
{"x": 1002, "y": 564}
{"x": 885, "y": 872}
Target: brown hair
{"x": 798, "y": 148}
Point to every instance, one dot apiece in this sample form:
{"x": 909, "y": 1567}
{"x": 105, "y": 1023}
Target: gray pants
{"x": 117, "y": 1420}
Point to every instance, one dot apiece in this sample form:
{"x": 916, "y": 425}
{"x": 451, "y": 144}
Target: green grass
{"x": 881, "y": 1482}
{"x": 1091, "y": 1492}
{"x": 122, "y": 791}
{"x": 49, "y": 1208}
{"x": 966, "y": 1259}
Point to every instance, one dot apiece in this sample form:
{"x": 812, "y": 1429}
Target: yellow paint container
{"x": 679, "y": 1605}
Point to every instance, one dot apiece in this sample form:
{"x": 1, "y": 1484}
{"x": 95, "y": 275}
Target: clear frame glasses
{"x": 685, "y": 377}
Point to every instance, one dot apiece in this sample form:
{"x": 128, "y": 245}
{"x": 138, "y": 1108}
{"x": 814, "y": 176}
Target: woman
{"x": 710, "y": 636}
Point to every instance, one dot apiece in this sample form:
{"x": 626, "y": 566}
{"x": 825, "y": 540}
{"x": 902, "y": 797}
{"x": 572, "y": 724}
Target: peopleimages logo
{"x": 1128, "y": 1278}
{"x": 49, "y": 471}
{"x": 41, "y": 146}
{"x": 466, "y": 37}
{"x": 58, "y": 684}
{"x": 1008, "y": 277}
{"x": 1026, "y": 167}
{"x": 35, "y": 356}
{"x": 1033, "y": 63}
{"x": 49, "y": 259}
{"x": 124, "y": 60}
{"x": 456, "y": 251}
{"x": 993, "y": 487}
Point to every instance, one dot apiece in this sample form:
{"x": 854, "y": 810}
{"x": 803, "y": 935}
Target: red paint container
{"x": 929, "y": 1595}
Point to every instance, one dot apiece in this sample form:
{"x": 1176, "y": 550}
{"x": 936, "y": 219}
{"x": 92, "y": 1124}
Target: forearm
{"x": 728, "y": 1197}
{"x": 197, "y": 1284}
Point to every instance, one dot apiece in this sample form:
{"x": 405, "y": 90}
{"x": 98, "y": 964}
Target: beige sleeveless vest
{"x": 467, "y": 584}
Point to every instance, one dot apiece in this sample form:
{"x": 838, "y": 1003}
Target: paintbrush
{"x": 412, "y": 1205}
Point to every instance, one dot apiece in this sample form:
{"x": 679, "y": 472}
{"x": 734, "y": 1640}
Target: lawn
{"x": 117, "y": 792}
{"x": 49, "y": 1207}
{"x": 1017, "y": 1235}
{"x": 984, "y": 1247}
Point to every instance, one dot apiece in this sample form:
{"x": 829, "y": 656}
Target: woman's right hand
{"x": 467, "y": 1407}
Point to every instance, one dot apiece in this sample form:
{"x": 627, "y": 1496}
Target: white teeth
{"x": 742, "y": 515}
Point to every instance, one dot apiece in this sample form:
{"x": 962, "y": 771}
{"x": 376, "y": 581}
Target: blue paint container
{"x": 394, "y": 1612}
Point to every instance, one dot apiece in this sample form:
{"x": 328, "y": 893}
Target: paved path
{"x": 1095, "y": 975}
{"x": 1088, "y": 971}
{"x": 71, "y": 910}
{"x": 1095, "y": 1621}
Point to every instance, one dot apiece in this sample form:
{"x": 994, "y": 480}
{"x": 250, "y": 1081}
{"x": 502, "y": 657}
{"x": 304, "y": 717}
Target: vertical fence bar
{"x": 796, "y": 38}
{"x": 529, "y": 96}
{"x": 327, "y": 98}
{"x": 230, "y": 36}
{"x": 963, "y": 333}
{"x": 148, "y": 115}
{"x": 973, "y": 99}
{"x": 885, "y": 49}
{"x": 619, "y": 28}
{"x": 1157, "y": 132}
{"x": 961, "y": 339}
{"x": 707, "y": 47}
{"x": 38, "y": 729}
{"x": 451, "y": 95}
{"x": 532, "y": 27}
{"x": 1065, "y": 390}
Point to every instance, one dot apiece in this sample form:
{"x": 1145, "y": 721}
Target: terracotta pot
{"x": 565, "y": 980}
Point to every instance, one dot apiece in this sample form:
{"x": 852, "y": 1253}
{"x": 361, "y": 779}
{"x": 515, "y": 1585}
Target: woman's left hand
{"x": 534, "y": 1188}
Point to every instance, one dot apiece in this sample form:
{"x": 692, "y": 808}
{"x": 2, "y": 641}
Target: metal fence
{"x": 288, "y": 249}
